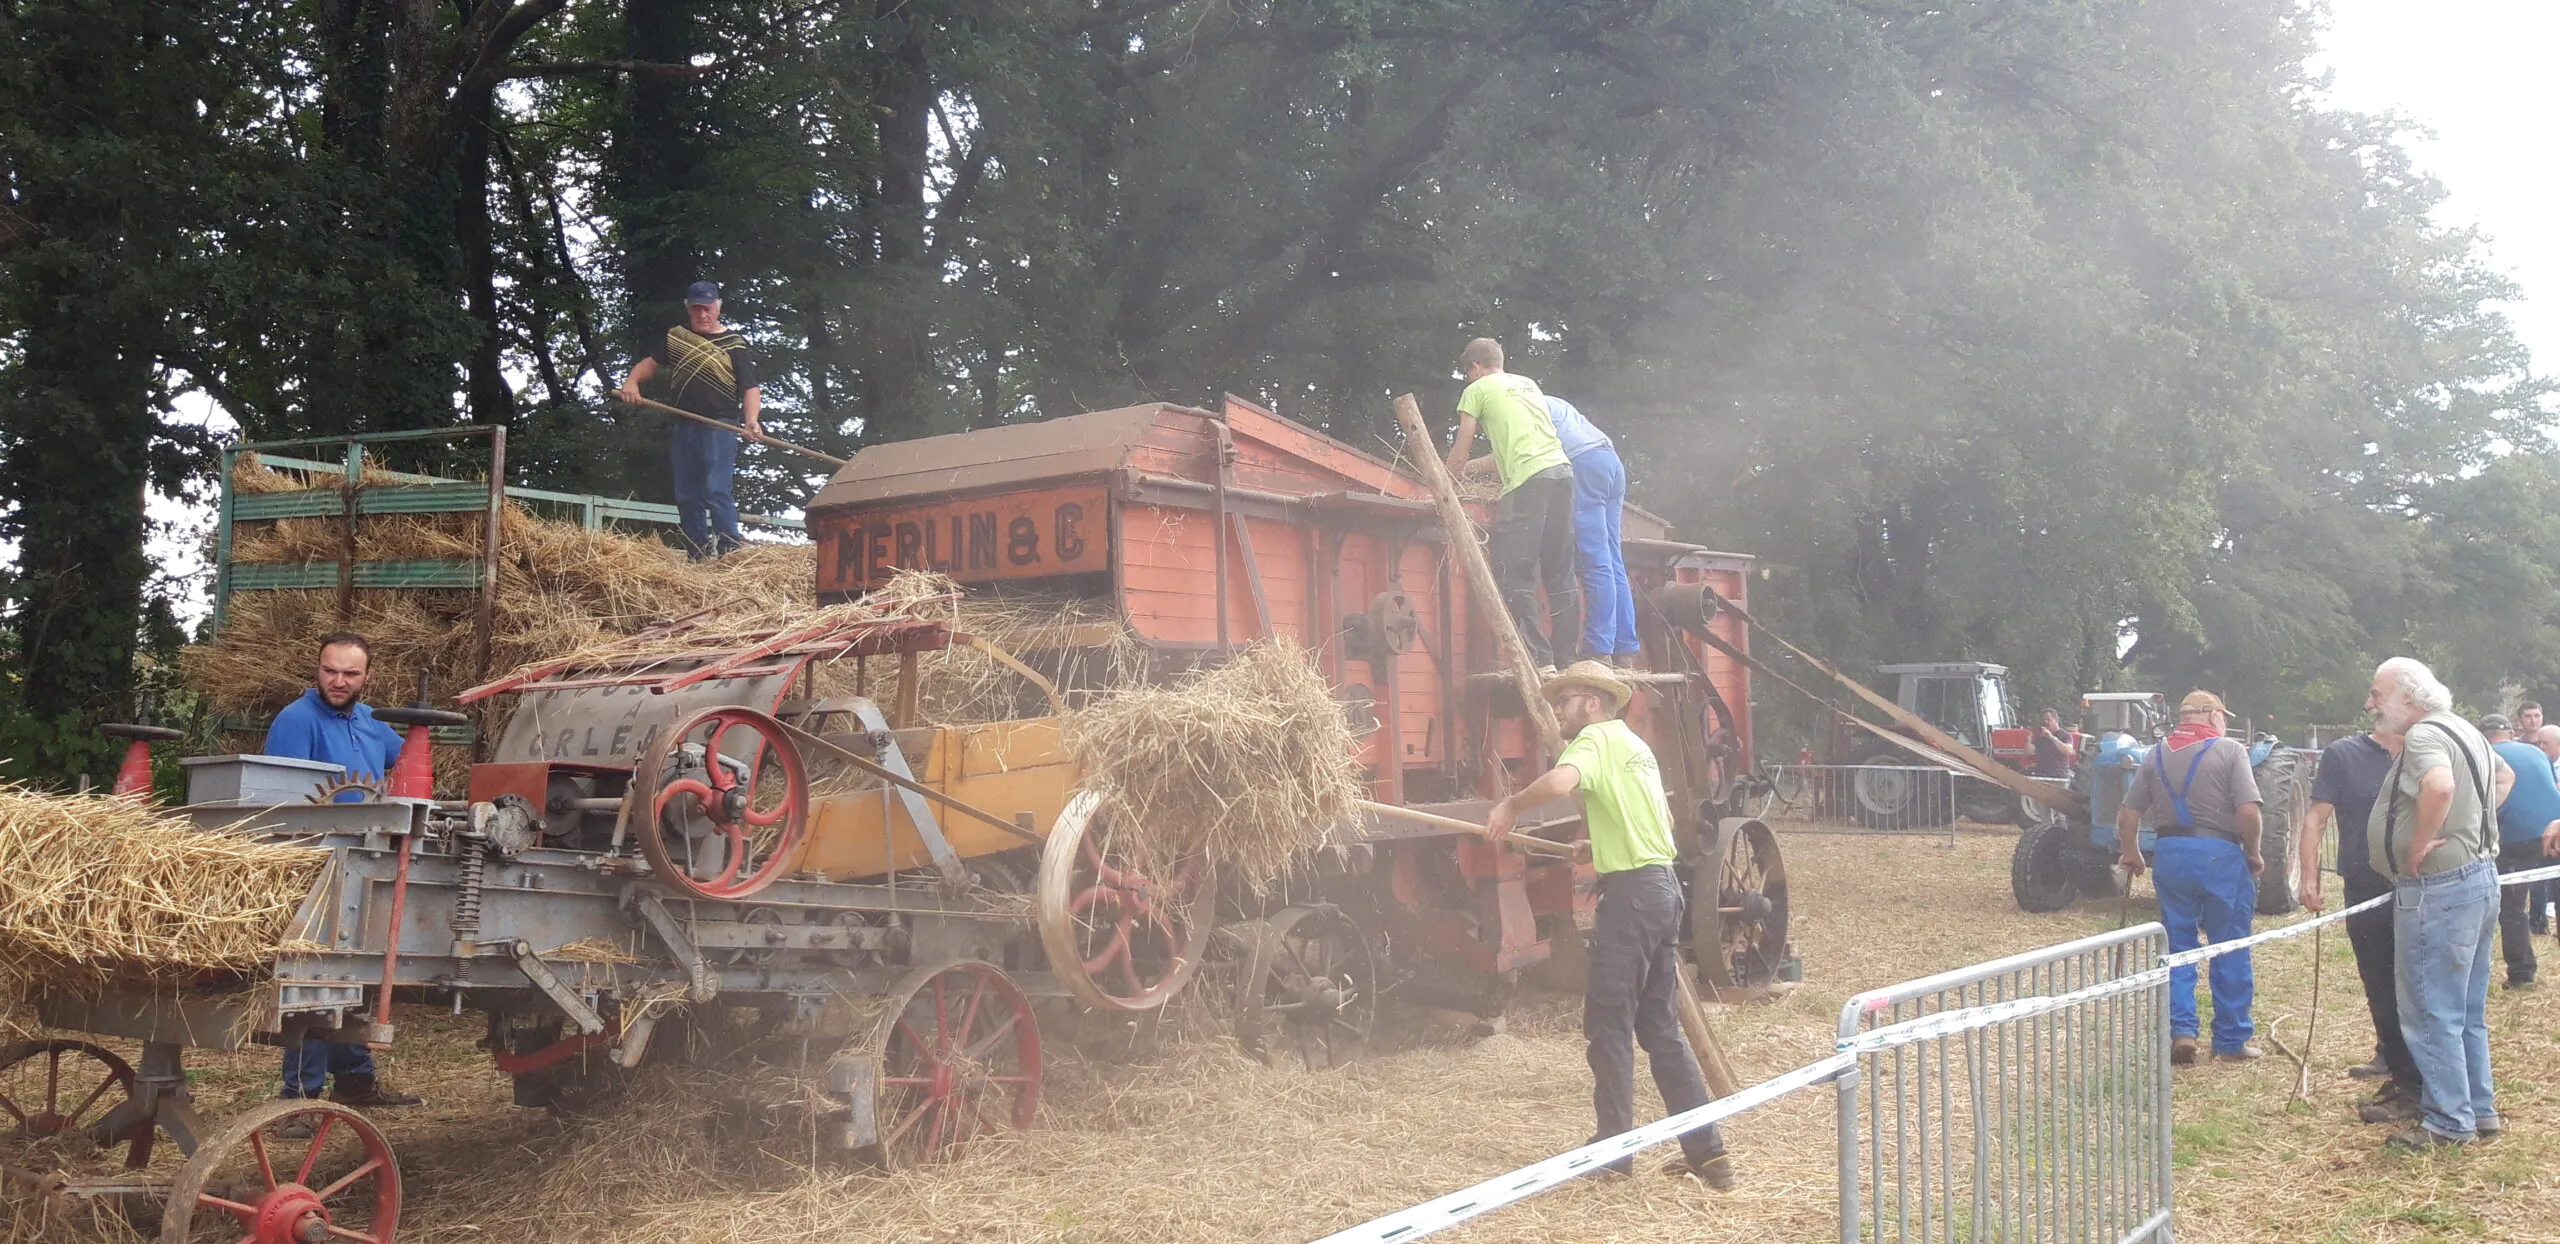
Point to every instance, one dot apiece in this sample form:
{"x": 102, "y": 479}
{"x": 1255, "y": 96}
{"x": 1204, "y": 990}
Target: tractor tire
{"x": 2284, "y": 789}
{"x": 1985, "y": 803}
{"x": 2040, "y": 872}
{"x": 1891, "y": 793}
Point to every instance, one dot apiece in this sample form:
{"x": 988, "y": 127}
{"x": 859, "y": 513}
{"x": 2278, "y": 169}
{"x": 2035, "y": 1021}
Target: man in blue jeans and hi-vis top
{"x": 2434, "y": 832}
{"x": 330, "y": 722}
{"x": 2204, "y": 806}
{"x": 1599, "y": 493}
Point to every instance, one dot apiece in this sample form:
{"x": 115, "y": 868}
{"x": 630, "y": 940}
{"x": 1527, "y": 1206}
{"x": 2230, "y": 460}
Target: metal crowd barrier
{"x": 2049, "y": 1125}
{"x": 2024, "y": 1099}
{"x": 1871, "y": 799}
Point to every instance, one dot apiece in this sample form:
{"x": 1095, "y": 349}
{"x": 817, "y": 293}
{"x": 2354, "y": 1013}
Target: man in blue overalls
{"x": 2204, "y": 807}
{"x": 331, "y": 723}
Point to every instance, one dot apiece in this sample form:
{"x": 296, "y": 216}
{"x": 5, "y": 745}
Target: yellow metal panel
{"x": 1006, "y": 768}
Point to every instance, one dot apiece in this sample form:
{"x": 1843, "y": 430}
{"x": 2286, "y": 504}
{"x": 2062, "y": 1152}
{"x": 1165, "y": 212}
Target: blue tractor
{"x": 2060, "y": 858}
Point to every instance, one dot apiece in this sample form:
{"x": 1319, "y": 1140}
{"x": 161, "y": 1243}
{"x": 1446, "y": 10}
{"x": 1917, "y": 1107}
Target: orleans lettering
{"x": 1022, "y": 542}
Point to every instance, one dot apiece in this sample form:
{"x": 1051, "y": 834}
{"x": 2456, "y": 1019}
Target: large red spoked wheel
{"x": 721, "y": 803}
{"x": 1123, "y": 930}
{"x": 960, "y": 1058}
{"x": 48, "y": 1088}
{"x": 252, "y": 1183}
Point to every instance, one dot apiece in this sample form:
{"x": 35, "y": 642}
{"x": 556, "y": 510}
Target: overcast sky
{"x": 2477, "y": 73}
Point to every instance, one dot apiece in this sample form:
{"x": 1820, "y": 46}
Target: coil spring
{"x": 466, "y": 900}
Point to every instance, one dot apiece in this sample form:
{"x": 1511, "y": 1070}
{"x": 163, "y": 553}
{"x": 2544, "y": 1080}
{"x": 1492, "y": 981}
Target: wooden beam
{"x": 1461, "y": 532}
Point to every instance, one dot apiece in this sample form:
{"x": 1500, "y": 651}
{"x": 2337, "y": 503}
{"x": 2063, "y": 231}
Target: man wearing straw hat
{"x": 1633, "y": 995}
{"x": 712, "y": 373}
{"x": 331, "y": 723}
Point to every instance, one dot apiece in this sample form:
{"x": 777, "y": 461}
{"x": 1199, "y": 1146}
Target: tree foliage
{"x": 2076, "y": 335}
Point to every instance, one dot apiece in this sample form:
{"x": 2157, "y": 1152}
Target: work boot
{"x": 2419, "y": 1140}
{"x": 2395, "y": 1108}
{"x": 368, "y": 1091}
{"x": 2489, "y": 1127}
{"x": 2246, "y": 1053}
{"x": 1715, "y": 1172}
{"x": 2182, "y": 1051}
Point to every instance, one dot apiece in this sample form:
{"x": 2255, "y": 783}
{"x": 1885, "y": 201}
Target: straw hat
{"x": 2201, "y": 702}
{"x": 1589, "y": 676}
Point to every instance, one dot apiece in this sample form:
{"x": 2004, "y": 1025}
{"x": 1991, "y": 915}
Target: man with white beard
{"x": 2434, "y": 832}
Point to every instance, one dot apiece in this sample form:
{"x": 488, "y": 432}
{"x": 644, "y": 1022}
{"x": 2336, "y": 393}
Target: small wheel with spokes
{"x": 256, "y": 1181}
{"x": 1124, "y": 929}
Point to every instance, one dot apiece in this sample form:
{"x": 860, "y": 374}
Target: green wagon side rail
{"x": 399, "y": 493}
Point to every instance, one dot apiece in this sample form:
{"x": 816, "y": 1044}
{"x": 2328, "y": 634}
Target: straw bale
{"x": 94, "y": 886}
{"x": 1251, "y": 762}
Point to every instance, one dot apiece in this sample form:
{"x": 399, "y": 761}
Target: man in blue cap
{"x": 710, "y": 371}
{"x": 330, "y": 722}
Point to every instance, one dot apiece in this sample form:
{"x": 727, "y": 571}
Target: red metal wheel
{"x": 55, "y": 1086}
{"x": 721, "y": 803}
{"x": 1123, "y": 931}
{"x": 250, "y": 1183}
{"x": 960, "y": 1058}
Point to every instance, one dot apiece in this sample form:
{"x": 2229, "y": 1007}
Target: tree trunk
{"x": 78, "y": 402}
{"x": 492, "y": 400}
{"x": 895, "y": 405}
{"x": 655, "y": 159}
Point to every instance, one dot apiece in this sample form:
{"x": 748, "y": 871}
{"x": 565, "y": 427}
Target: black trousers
{"x": 2515, "y": 929}
{"x": 1532, "y": 545}
{"x": 1633, "y": 1000}
{"x": 2369, "y": 932}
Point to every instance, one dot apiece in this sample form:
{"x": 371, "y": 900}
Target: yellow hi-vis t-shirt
{"x": 1513, "y": 415}
{"x": 1622, "y": 797}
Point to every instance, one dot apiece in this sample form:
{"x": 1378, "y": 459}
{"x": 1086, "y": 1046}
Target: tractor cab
{"x": 2141, "y": 715}
{"x": 1967, "y": 699}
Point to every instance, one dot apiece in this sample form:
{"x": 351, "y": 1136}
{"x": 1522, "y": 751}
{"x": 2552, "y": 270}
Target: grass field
{"x": 1190, "y": 1140}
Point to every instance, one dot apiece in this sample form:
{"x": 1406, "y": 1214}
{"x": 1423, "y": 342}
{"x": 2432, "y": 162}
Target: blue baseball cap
{"x": 702, "y": 293}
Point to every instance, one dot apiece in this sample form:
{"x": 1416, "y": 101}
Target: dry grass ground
{"x": 1195, "y": 1142}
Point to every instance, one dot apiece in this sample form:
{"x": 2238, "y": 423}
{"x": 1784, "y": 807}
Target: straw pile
{"x": 94, "y": 886}
{"x": 1251, "y": 762}
{"x": 564, "y": 591}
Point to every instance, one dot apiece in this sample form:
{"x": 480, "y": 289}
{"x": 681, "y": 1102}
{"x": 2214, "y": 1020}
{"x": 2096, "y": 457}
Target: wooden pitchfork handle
{"x": 726, "y": 426}
{"x": 1537, "y": 846}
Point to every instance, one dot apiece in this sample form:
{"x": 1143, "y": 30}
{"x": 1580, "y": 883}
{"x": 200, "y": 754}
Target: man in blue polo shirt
{"x": 2532, "y": 809}
{"x": 331, "y": 723}
{"x": 1599, "y": 493}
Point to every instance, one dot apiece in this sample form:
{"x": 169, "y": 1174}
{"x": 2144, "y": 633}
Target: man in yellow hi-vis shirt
{"x": 1633, "y": 996}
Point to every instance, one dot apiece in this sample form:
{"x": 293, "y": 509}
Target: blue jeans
{"x": 2442, "y": 928}
{"x": 2207, "y": 895}
{"x": 308, "y": 1066}
{"x": 1608, "y": 604}
{"x": 704, "y": 459}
